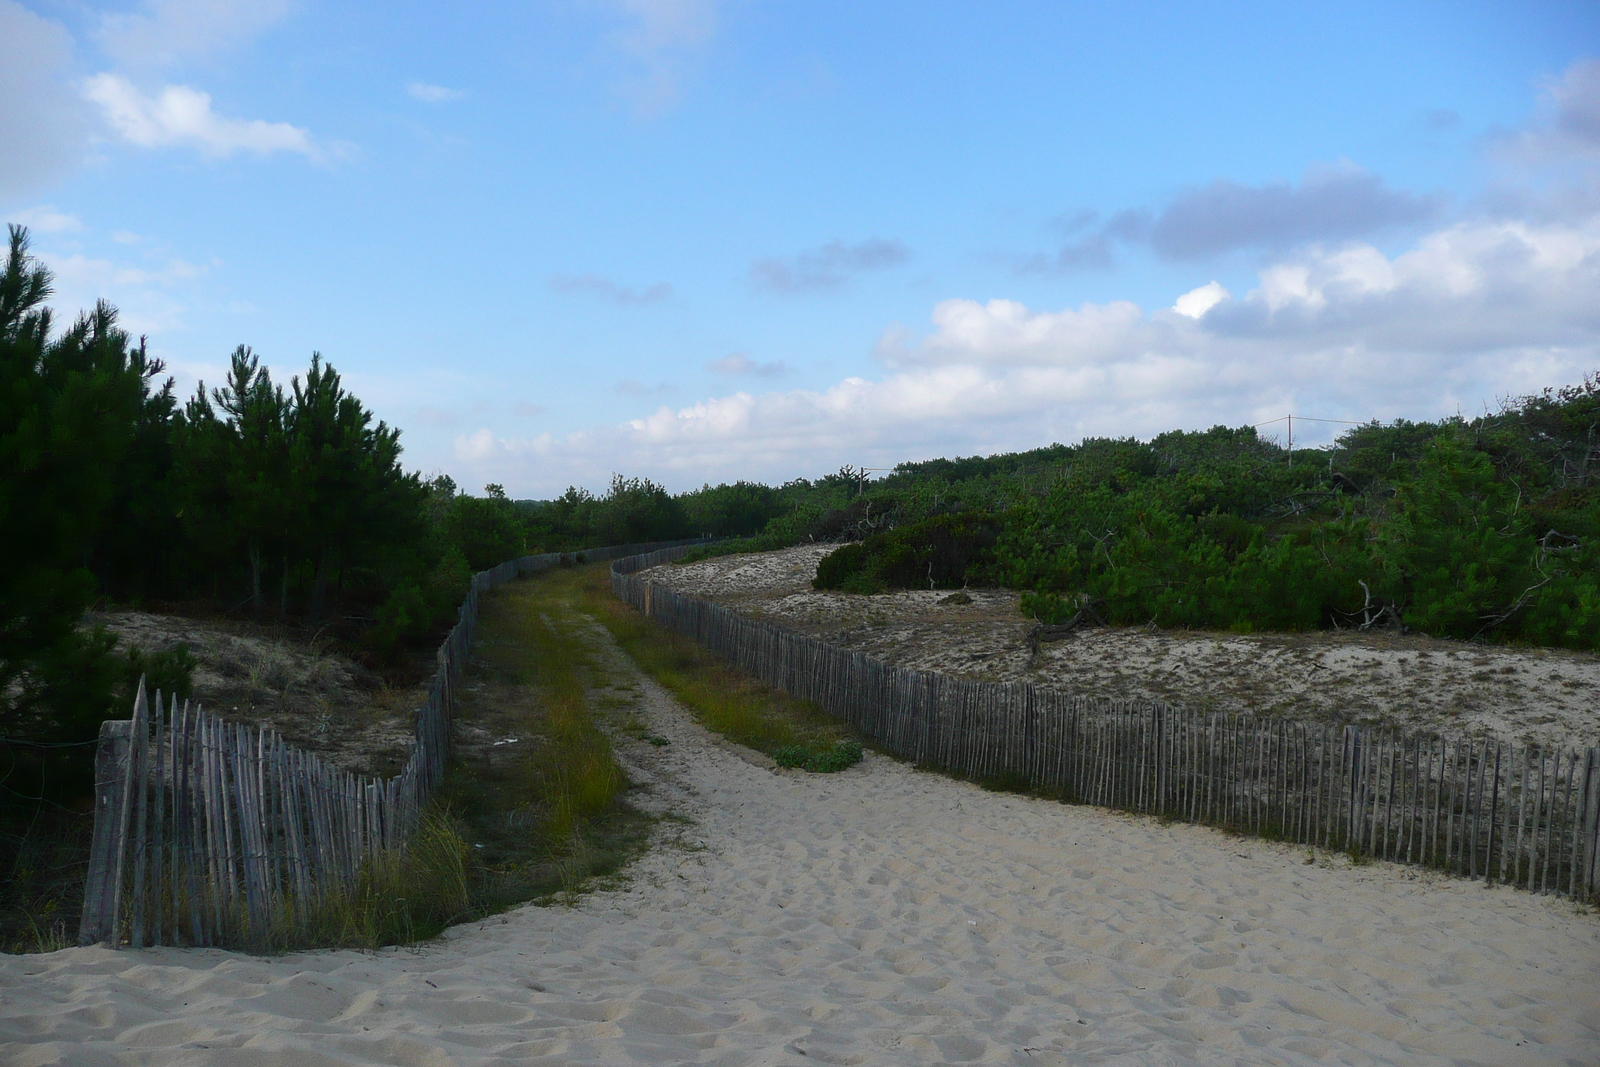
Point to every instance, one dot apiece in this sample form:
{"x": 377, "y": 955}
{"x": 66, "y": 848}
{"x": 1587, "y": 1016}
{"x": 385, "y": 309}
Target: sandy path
{"x": 882, "y": 915}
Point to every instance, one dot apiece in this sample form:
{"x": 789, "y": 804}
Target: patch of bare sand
{"x": 317, "y": 699}
{"x": 1531, "y": 695}
{"x": 878, "y": 916}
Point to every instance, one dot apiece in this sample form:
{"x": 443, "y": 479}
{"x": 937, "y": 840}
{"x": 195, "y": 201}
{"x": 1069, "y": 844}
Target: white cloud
{"x": 621, "y": 295}
{"x": 1472, "y": 312}
{"x": 181, "y": 116}
{"x": 1196, "y": 302}
{"x": 1568, "y": 125}
{"x": 482, "y": 446}
{"x": 433, "y": 94}
{"x": 43, "y": 122}
{"x": 45, "y": 220}
{"x": 659, "y": 39}
{"x": 147, "y": 297}
{"x": 1006, "y": 332}
{"x": 164, "y": 32}
{"x": 826, "y": 267}
{"x": 741, "y": 363}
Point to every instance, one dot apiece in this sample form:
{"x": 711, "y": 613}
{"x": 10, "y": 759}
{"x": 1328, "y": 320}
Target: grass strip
{"x": 795, "y": 733}
{"x": 533, "y": 783}
{"x": 533, "y": 806}
{"x": 44, "y": 858}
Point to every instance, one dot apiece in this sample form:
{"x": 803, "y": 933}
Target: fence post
{"x": 110, "y": 835}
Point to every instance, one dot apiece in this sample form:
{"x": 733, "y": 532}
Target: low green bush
{"x": 941, "y": 552}
{"x": 843, "y": 754}
{"x": 170, "y": 671}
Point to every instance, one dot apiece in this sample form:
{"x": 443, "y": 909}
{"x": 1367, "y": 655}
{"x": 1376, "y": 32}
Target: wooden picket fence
{"x": 210, "y": 832}
{"x": 1525, "y": 815}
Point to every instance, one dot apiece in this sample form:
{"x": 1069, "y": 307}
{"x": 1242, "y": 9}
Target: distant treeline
{"x": 289, "y": 504}
{"x": 255, "y": 499}
{"x": 1485, "y": 528}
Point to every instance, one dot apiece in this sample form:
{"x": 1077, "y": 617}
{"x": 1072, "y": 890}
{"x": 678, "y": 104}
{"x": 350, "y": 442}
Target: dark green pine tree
{"x": 68, "y": 411}
{"x": 241, "y": 465}
{"x": 347, "y": 492}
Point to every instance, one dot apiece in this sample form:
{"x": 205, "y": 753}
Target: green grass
{"x": 532, "y": 820}
{"x": 402, "y": 897}
{"x": 846, "y": 753}
{"x": 794, "y": 732}
{"x": 44, "y": 857}
{"x": 546, "y": 814}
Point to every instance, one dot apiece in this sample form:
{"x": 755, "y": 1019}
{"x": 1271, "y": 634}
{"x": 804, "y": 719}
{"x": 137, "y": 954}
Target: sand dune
{"x": 882, "y": 915}
{"x": 1528, "y": 695}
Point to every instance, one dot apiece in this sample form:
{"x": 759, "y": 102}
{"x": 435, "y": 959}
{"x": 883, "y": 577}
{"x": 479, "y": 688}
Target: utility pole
{"x": 861, "y": 477}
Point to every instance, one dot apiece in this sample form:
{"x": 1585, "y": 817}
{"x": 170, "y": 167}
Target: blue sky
{"x": 710, "y": 239}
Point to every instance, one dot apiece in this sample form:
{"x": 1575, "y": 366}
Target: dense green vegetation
{"x": 286, "y": 503}
{"x": 290, "y": 504}
{"x": 1484, "y": 528}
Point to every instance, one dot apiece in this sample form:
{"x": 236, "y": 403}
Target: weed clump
{"x": 843, "y": 754}
{"x": 401, "y": 897}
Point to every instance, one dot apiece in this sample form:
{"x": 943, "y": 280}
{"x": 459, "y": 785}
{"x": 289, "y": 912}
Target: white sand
{"x": 879, "y": 916}
{"x": 1537, "y": 695}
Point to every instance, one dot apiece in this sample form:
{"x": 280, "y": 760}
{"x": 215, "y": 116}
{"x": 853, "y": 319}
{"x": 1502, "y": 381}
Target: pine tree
{"x": 68, "y": 408}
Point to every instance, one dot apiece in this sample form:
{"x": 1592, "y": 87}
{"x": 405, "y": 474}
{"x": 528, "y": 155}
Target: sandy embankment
{"x": 879, "y": 916}
{"x": 1546, "y": 696}
{"x": 279, "y": 679}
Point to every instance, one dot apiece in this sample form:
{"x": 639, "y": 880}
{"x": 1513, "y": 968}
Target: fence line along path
{"x": 1525, "y": 815}
{"x": 209, "y": 832}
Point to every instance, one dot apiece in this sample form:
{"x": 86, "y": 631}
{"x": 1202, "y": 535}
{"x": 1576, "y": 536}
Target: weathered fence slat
{"x": 1525, "y": 815}
{"x": 212, "y": 832}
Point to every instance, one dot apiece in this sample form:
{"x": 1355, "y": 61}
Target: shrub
{"x": 171, "y": 671}
{"x": 936, "y": 553}
{"x": 845, "y": 753}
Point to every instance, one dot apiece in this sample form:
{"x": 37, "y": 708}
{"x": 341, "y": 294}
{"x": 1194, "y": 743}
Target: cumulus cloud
{"x": 43, "y": 121}
{"x": 1568, "y": 125}
{"x": 432, "y": 94}
{"x": 181, "y": 116}
{"x": 606, "y": 289}
{"x": 1196, "y": 302}
{"x": 660, "y": 40}
{"x": 1471, "y": 312}
{"x": 826, "y": 267}
{"x": 163, "y": 32}
{"x": 740, "y": 363}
